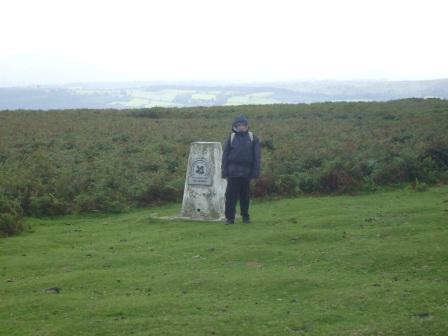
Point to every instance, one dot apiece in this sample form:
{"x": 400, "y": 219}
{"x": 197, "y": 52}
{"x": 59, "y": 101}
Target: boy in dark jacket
{"x": 240, "y": 163}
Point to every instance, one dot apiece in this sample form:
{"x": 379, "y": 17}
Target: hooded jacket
{"x": 241, "y": 156}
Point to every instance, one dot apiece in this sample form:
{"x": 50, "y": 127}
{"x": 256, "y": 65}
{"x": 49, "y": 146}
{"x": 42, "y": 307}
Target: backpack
{"x": 251, "y": 136}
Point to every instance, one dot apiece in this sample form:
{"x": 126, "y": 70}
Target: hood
{"x": 238, "y": 119}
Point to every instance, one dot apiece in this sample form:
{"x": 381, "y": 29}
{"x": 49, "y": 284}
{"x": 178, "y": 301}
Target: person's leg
{"x": 245, "y": 198}
{"x": 232, "y": 191}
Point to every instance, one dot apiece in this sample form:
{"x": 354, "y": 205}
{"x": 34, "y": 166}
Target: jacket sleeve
{"x": 257, "y": 158}
{"x": 225, "y": 161}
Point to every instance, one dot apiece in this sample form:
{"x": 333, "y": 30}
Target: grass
{"x": 374, "y": 264}
{"x": 254, "y": 98}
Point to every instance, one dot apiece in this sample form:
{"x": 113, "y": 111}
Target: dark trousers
{"x": 237, "y": 188}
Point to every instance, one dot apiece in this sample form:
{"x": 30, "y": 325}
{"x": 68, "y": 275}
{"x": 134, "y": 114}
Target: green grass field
{"x": 374, "y": 264}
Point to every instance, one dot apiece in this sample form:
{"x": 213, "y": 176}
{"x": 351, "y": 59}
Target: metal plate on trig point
{"x": 200, "y": 173}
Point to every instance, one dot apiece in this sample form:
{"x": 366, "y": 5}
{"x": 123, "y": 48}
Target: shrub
{"x": 288, "y": 185}
{"x": 108, "y": 160}
{"x": 338, "y": 180}
{"x": 308, "y": 183}
{"x": 158, "y": 189}
{"x": 264, "y": 186}
{"x": 101, "y": 200}
{"x": 438, "y": 154}
{"x": 420, "y": 186}
{"x": 47, "y": 205}
{"x": 10, "y": 217}
{"x": 391, "y": 172}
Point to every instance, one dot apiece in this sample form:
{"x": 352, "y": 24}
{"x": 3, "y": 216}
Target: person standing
{"x": 241, "y": 160}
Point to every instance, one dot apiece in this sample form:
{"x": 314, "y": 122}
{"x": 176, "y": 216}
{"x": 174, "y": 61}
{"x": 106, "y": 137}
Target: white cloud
{"x": 228, "y": 40}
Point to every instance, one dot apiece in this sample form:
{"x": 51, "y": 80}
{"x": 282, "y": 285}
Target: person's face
{"x": 242, "y": 127}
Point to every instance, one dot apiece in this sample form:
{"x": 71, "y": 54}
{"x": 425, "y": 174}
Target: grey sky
{"x": 51, "y": 41}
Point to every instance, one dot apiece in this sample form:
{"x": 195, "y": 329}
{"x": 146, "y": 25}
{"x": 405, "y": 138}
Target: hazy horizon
{"x": 61, "y": 42}
{"x": 211, "y": 83}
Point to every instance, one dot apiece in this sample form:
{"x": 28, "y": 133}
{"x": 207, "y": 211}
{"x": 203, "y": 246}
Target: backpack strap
{"x": 251, "y": 136}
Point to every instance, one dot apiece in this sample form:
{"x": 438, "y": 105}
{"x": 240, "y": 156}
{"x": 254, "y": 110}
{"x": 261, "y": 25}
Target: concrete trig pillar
{"x": 204, "y": 192}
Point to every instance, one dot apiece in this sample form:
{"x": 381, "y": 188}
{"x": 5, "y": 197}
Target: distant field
{"x": 189, "y": 94}
{"x": 173, "y": 97}
{"x": 254, "y": 98}
{"x": 374, "y": 264}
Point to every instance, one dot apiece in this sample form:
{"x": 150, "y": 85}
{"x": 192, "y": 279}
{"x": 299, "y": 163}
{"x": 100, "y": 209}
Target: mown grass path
{"x": 373, "y": 264}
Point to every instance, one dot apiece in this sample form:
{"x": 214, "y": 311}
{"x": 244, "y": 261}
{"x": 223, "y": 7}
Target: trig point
{"x": 204, "y": 187}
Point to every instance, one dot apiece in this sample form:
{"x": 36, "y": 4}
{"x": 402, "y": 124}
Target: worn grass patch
{"x": 373, "y": 264}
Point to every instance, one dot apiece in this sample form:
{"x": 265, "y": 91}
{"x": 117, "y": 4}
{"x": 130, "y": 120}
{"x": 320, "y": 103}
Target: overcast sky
{"x": 46, "y": 41}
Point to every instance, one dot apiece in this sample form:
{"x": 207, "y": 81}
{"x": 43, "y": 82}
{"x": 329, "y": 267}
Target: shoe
{"x": 246, "y": 220}
{"x": 230, "y": 221}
